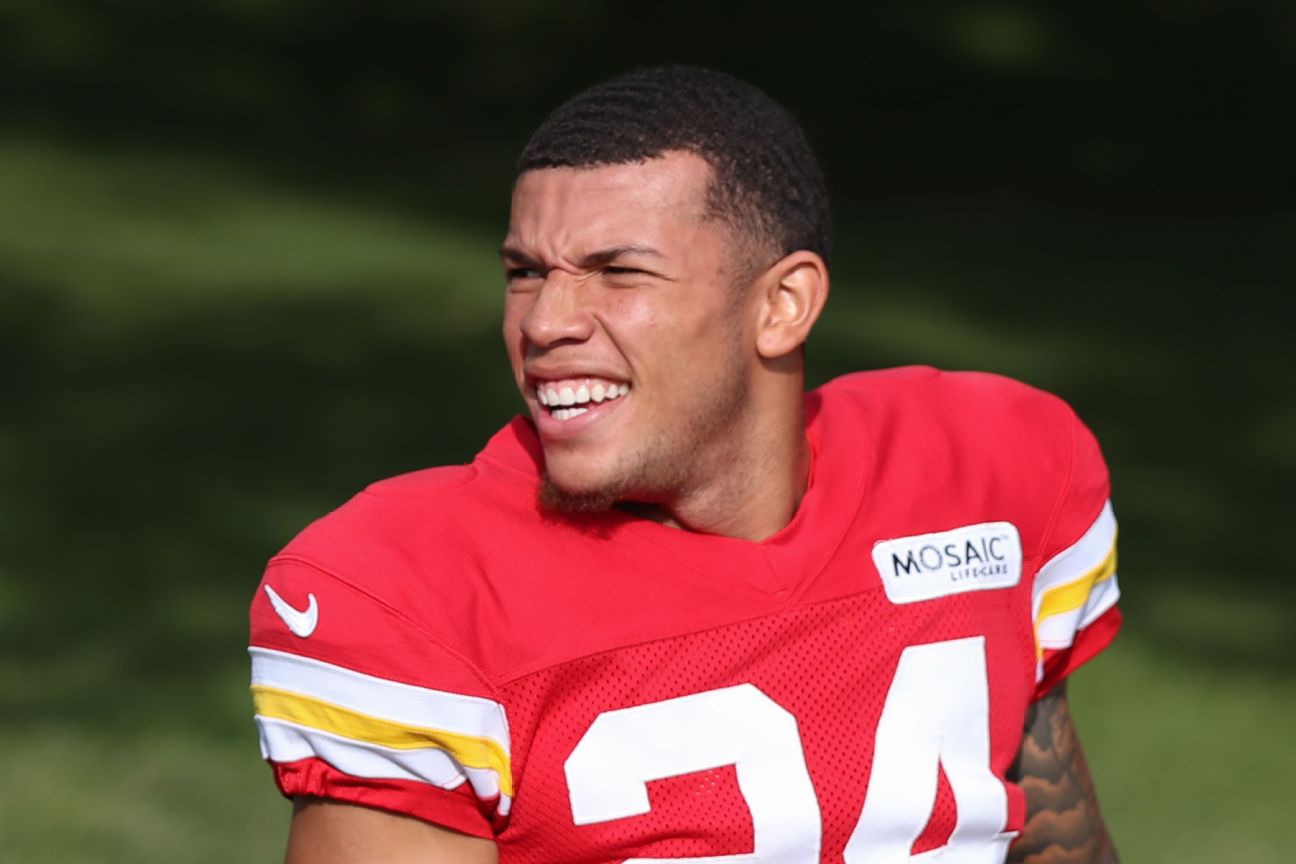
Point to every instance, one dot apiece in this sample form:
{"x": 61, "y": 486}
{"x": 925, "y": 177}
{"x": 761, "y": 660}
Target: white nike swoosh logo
{"x": 300, "y": 621}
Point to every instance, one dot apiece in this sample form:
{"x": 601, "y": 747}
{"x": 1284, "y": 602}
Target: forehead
{"x": 561, "y": 211}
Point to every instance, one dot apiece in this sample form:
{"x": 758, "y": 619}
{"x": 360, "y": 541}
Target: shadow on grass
{"x": 149, "y": 474}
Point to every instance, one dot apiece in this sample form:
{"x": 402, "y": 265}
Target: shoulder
{"x": 393, "y": 523}
{"x": 351, "y": 662}
{"x": 427, "y": 524}
{"x": 966, "y": 411}
{"x": 407, "y": 555}
{"x": 365, "y": 633}
{"x": 937, "y": 430}
{"x": 929, "y": 393}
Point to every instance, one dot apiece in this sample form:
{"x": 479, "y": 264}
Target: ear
{"x": 793, "y": 293}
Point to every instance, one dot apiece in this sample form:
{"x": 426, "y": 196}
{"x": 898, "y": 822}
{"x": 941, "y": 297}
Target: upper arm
{"x": 1075, "y": 591}
{"x": 365, "y": 706}
{"x": 1063, "y": 822}
{"x": 329, "y": 832}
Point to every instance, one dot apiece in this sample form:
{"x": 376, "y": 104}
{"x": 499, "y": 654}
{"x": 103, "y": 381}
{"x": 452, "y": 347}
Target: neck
{"x": 757, "y": 482}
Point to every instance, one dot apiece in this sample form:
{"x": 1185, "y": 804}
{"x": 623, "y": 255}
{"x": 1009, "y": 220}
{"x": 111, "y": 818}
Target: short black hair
{"x": 766, "y": 181}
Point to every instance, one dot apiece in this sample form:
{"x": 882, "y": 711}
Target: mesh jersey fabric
{"x": 475, "y": 662}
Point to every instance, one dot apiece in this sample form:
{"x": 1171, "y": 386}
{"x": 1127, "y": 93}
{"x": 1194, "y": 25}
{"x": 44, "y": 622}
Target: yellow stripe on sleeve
{"x": 468, "y": 750}
{"x": 1072, "y": 595}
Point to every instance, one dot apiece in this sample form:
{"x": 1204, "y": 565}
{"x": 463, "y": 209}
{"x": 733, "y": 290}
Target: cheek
{"x": 678, "y": 334}
{"x": 705, "y": 334}
{"x": 514, "y": 342}
{"x": 634, "y": 324}
{"x": 515, "y": 308}
{"x": 633, "y": 308}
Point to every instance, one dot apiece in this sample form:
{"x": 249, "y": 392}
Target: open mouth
{"x": 571, "y": 397}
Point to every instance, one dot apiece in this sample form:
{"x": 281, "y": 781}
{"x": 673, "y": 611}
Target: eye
{"x": 623, "y": 271}
{"x": 515, "y": 273}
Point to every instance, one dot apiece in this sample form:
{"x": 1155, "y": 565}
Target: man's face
{"x": 627, "y": 337}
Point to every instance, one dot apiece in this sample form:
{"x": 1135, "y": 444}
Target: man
{"x": 685, "y": 611}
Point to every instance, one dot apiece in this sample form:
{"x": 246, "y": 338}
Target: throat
{"x": 651, "y": 512}
{"x": 754, "y": 506}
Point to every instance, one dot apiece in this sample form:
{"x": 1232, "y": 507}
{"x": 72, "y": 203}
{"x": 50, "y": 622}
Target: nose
{"x": 558, "y": 313}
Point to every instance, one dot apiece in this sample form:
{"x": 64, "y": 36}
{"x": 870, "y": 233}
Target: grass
{"x": 198, "y": 359}
{"x": 1190, "y": 759}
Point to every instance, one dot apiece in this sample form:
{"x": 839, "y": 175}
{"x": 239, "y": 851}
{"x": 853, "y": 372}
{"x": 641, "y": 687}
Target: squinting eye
{"x": 522, "y": 273}
{"x": 620, "y": 271}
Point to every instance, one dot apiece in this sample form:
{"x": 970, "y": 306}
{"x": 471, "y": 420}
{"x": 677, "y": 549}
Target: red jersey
{"x": 606, "y": 688}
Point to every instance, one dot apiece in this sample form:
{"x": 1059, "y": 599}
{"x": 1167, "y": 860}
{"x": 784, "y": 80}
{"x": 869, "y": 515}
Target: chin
{"x": 556, "y": 498}
{"x": 578, "y": 472}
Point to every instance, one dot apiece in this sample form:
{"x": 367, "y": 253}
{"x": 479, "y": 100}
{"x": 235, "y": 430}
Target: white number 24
{"x": 937, "y": 713}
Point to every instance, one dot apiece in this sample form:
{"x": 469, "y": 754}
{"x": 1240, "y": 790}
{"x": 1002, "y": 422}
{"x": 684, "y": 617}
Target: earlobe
{"x": 797, "y": 288}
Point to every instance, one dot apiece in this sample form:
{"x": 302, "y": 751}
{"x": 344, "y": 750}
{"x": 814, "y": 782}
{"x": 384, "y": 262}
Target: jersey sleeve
{"x": 1074, "y": 593}
{"x": 356, "y": 702}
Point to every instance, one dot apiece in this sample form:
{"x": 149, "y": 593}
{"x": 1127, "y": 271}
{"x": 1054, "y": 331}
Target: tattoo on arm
{"x": 1063, "y": 823}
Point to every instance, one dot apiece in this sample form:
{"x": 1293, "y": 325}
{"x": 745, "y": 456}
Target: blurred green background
{"x": 247, "y": 266}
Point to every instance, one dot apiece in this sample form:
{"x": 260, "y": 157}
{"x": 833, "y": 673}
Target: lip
{"x": 553, "y": 429}
{"x": 534, "y": 373}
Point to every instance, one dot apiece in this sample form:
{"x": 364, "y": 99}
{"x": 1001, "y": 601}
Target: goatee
{"x": 555, "y": 499}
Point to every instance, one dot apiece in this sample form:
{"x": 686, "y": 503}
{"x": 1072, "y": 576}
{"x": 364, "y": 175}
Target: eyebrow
{"x": 516, "y": 255}
{"x": 603, "y": 257}
{"x": 599, "y": 258}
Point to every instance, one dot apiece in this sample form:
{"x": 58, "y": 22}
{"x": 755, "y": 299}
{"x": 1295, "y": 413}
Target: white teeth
{"x": 553, "y": 397}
